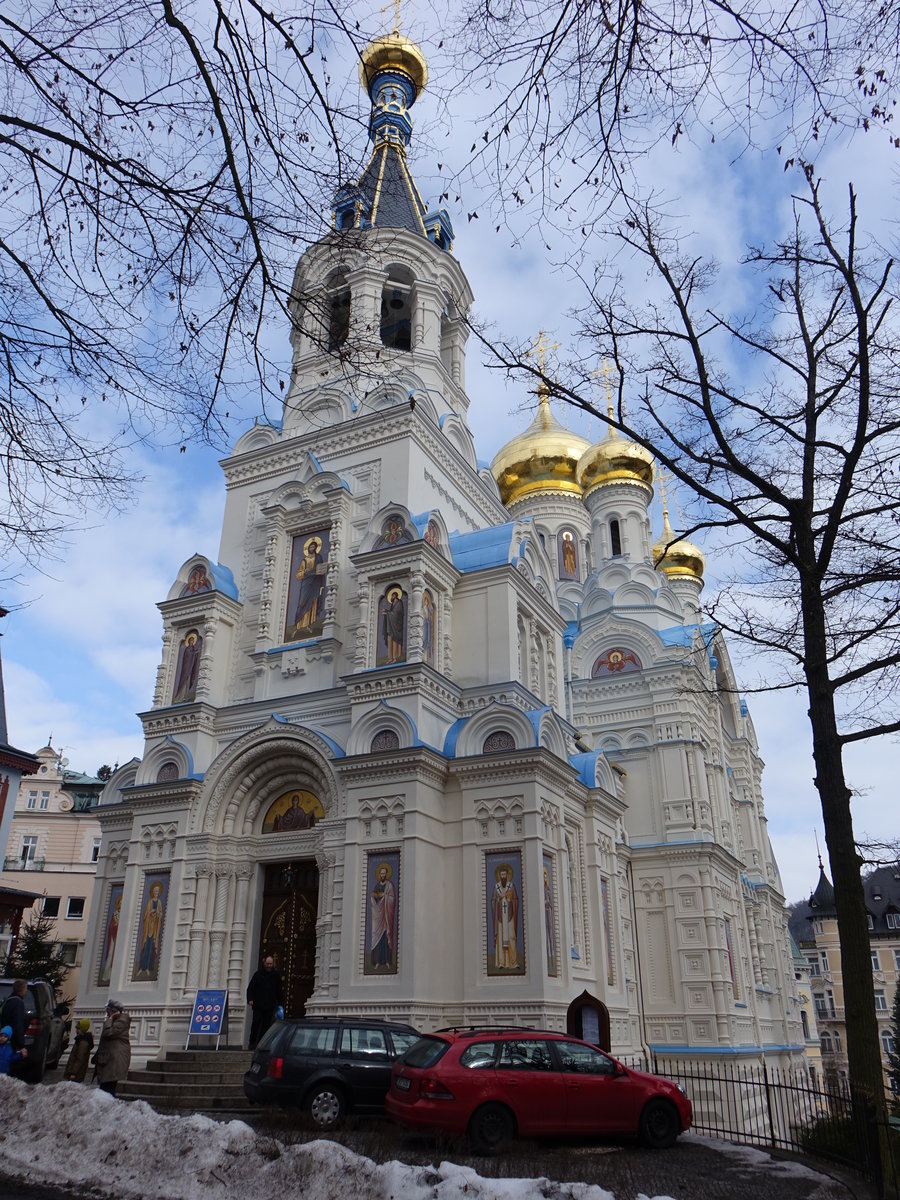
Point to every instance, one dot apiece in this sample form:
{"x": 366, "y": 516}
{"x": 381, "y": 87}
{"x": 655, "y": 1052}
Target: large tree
{"x": 783, "y": 421}
{"x": 161, "y": 165}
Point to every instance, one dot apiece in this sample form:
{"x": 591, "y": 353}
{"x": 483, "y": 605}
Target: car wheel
{"x": 660, "y": 1125}
{"x": 491, "y": 1126}
{"x": 325, "y": 1105}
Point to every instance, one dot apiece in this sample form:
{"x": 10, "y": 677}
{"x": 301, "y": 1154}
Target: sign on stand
{"x": 208, "y": 1017}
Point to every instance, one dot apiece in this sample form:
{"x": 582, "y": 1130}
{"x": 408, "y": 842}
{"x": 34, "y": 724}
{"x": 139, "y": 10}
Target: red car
{"x": 497, "y": 1084}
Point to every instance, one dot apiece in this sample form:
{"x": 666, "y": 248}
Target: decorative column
{"x": 243, "y": 874}
{"x": 415, "y": 621}
{"x": 159, "y": 692}
{"x": 263, "y": 637}
{"x": 366, "y": 285}
{"x": 447, "y": 665}
{"x": 722, "y": 1000}
{"x": 361, "y": 659}
{"x": 198, "y": 925}
{"x": 219, "y": 927}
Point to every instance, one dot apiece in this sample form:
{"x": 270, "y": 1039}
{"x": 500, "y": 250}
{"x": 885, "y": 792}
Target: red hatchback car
{"x": 497, "y": 1084}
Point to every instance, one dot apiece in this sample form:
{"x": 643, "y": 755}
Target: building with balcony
{"x": 52, "y": 850}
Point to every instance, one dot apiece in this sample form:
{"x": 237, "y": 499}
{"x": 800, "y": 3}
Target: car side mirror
{"x": 620, "y": 1070}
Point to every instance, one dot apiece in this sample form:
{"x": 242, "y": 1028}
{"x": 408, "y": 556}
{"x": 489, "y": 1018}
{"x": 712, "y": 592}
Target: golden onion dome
{"x": 677, "y": 557}
{"x": 542, "y": 459}
{"x": 613, "y": 460}
{"x": 393, "y": 52}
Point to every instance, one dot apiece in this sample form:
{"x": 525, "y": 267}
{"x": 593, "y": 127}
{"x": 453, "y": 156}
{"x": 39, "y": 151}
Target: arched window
{"x": 385, "y": 739}
{"x": 804, "y": 1021}
{"x": 825, "y": 1041}
{"x": 167, "y": 773}
{"x": 397, "y": 310}
{"x": 615, "y": 538}
{"x": 498, "y": 742}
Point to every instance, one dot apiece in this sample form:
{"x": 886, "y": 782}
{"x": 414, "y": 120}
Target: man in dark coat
{"x": 264, "y": 995}
{"x": 13, "y": 1014}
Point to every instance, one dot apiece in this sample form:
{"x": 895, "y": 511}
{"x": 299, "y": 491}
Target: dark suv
{"x": 329, "y": 1066}
{"x": 46, "y": 1029}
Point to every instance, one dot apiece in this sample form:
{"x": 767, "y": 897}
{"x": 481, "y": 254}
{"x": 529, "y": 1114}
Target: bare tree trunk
{"x": 849, "y": 899}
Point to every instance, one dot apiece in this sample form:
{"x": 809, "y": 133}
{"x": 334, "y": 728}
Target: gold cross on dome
{"x": 607, "y": 383}
{"x": 542, "y": 348}
{"x": 396, "y": 8}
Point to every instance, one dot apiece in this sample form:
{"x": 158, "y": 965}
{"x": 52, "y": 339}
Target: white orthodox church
{"x": 451, "y": 742}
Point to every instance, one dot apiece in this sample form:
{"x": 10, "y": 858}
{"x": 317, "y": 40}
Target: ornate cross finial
{"x": 396, "y": 7}
{"x": 542, "y": 348}
{"x": 662, "y": 476}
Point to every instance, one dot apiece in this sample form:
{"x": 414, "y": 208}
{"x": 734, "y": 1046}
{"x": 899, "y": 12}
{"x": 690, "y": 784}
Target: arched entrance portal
{"x": 288, "y": 928}
{"x": 588, "y": 1018}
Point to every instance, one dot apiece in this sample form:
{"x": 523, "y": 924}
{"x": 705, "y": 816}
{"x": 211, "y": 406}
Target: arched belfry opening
{"x": 588, "y": 1018}
{"x": 397, "y": 300}
{"x": 337, "y": 311}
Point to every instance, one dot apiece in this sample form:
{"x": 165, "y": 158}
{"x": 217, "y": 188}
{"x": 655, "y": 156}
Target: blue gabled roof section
{"x": 451, "y": 738}
{"x": 683, "y": 635}
{"x": 483, "y": 548}
{"x": 586, "y": 766}
{"x": 223, "y": 580}
{"x": 336, "y": 750}
{"x": 192, "y": 774}
{"x": 535, "y": 715}
{"x": 421, "y": 522}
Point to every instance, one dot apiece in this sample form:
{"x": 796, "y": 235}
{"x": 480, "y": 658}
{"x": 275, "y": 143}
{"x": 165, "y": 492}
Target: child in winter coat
{"x": 7, "y": 1054}
{"x": 76, "y": 1067}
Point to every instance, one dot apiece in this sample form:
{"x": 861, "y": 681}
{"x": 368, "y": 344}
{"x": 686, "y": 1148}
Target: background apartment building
{"x": 52, "y": 850}
{"x": 813, "y": 925}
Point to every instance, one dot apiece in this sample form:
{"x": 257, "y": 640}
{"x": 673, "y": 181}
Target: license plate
{"x": 402, "y": 1083}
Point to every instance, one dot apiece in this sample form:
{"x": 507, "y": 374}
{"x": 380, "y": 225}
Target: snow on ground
{"x": 69, "y": 1134}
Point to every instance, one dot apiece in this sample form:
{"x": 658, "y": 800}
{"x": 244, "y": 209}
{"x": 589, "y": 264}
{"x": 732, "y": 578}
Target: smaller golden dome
{"x": 542, "y": 459}
{"x": 393, "y": 52}
{"x": 613, "y": 460}
{"x": 677, "y": 557}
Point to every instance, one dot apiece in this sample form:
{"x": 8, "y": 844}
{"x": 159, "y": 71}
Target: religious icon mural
{"x": 111, "y": 936}
{"x": 617, "y": 661}
{"x": 567, "y": 551}
{"x": 305, "y": 617}
{"x": 432, "y": 534}
{"x": 428, "y": 627}
{"x": 150, "y": 927}
{"x": 550, "y": 918}
{"x": 294, "y": 810}
{"x": 187, "y": 670}
{"x": 381, "y": 916}
{"x": 198, "y": 581}
{"x": 391, "y": 634}
{"x": 505, "y": 925}
{"x": 393, "y": 533}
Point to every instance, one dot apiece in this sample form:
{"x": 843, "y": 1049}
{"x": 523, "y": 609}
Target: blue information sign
{"x": 209, "y": 1012}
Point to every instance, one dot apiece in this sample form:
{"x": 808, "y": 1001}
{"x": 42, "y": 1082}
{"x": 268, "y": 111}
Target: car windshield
{"x": 425, "y": 1052}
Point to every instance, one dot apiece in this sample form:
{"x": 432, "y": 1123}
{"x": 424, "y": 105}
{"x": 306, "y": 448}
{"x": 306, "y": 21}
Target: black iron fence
{"x": 782, "y": 1109}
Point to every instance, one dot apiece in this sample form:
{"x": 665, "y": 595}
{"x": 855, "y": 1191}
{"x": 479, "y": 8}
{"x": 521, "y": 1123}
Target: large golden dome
{"x": 613, "y": 460}
{"x": 542, "y": 459}
{"x": 677, "y": 557}
{"x": 393, "y": 52}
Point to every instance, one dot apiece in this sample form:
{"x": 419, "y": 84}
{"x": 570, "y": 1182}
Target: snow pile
{"x": 69, "y": 1134}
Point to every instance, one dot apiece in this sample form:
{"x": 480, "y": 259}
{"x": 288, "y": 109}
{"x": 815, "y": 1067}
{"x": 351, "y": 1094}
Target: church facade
{"x": 451, "y": 742}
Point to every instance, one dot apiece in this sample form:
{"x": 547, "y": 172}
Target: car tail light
{"x": 276, "y": 1068}
{"x": 34, "y": 1028}
{"x": 434, "y": 1089}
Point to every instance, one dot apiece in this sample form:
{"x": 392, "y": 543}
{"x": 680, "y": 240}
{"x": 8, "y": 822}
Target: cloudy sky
{"x": 83, "y": 640}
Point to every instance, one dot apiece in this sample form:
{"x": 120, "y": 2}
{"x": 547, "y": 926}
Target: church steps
{"x": 193, "y": 1081}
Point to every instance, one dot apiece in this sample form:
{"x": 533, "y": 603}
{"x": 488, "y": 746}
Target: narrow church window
{"x": 615, "y": 539}
{"x": 338, "y": 313}
{"x": 498, "y": 742}
{"x": 167, "y": 773}
{"x": 385, "y": 739}
{"x": 397, "y": 310}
